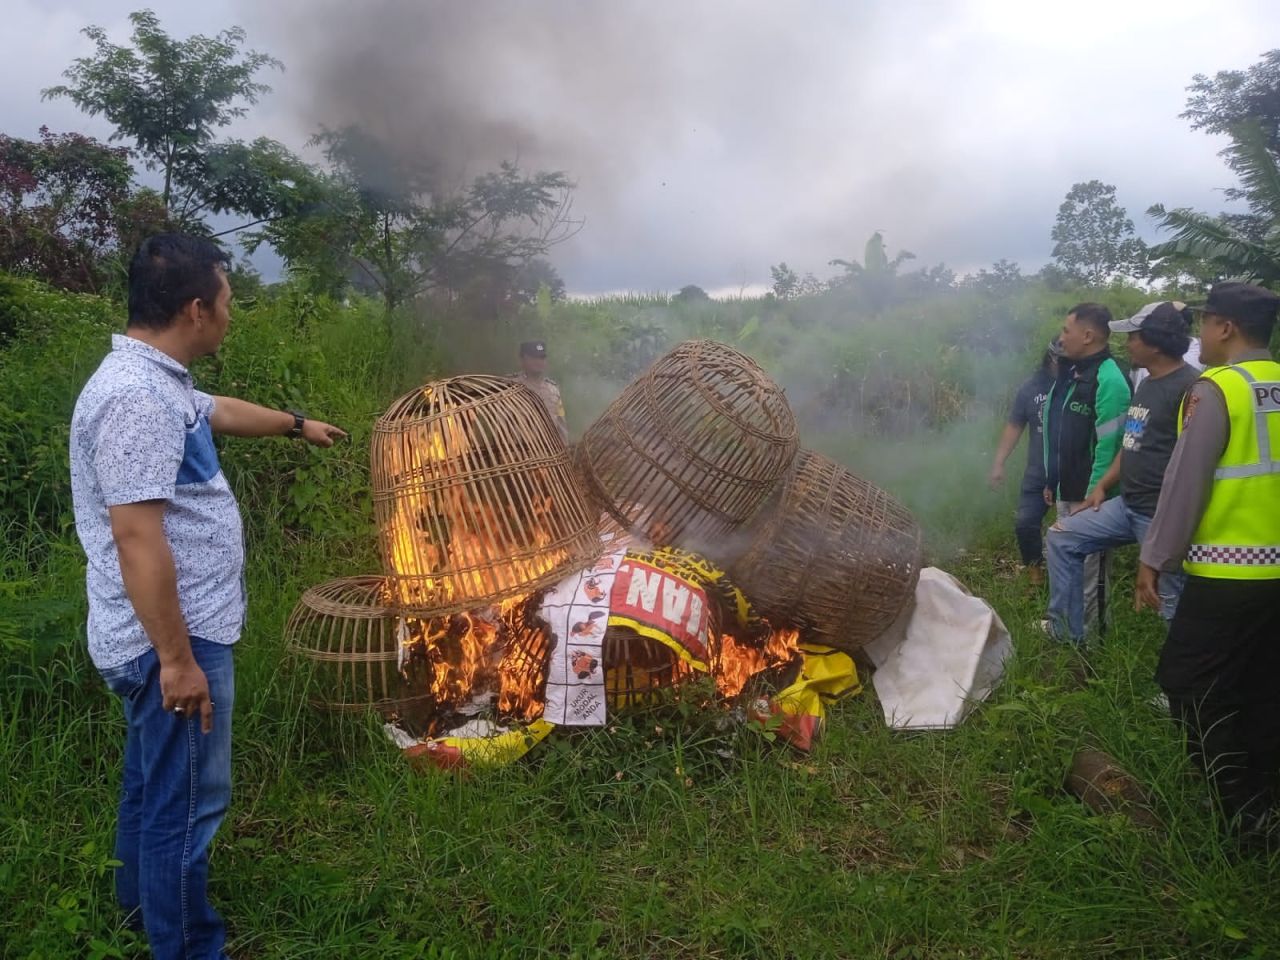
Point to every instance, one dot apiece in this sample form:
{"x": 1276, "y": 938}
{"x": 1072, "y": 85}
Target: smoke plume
{"x": 679, "y": 122}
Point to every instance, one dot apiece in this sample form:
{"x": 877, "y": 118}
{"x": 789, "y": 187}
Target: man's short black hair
{"x": 168, "y": 272}
{"x": 1172, "y": 343}
{"x": 1256, "y": 329}
{"x": 1095, "y": 315}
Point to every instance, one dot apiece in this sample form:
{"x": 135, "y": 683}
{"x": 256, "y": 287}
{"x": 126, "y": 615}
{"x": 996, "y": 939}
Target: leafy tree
{"x": 875, "y": 262}
{"x": 65, "y": 204}
{"x": 786, "y": 283}
{"x": 811, "y": 286}
{"x": 376, "y": 220}
{"x": 1230, "y": 98}
{"x": 928, "y": 281}
{"x": 1244, "y": 105}
{"x": 875, "y": 279}
{"x": 262, "y": 179}
{"x": 1209, "y": 247}
{"x": 536, "y": 276}
{"x": 1055, "y": 278}
{"x": 1094, "y": 240}
{"x": 169, "y": 97}
{"x": 1003, "y": 278}
{"x": 691, "y": 293}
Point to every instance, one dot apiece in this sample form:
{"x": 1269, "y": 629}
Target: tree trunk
{"x": 168, "y": 181}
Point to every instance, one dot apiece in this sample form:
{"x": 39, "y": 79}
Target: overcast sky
{"x": 711, "y": 139}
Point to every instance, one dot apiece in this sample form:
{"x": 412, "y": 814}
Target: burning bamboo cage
{"x": 836, "y": 556}
{"x": 692, "y": 449}
{"x": 370, "y": 655}
{"x": 348, "y": 630}
{"x": 475, "y": 496}
{"x": 638, "y": 668}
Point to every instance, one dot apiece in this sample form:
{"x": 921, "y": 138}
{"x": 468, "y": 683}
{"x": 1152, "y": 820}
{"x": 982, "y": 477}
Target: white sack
{"x": 950, "y": 656}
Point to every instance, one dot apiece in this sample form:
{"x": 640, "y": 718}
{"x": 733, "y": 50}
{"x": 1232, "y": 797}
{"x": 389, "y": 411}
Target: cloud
{"x": 712, "y": 139}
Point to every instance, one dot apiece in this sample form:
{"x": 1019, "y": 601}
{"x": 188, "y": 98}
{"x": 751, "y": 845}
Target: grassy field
{"x": 664, "y": 835}
{"x": 661, "y": 836}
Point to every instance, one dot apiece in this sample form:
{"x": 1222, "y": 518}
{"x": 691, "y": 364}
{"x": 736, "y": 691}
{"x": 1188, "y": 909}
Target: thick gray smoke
{"x": 680, "y": 122}
{"x": 713, "y": 138}
{"x": 463, "y": 86}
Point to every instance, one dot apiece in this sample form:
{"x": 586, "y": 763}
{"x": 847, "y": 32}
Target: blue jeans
{"x": 1028, "y": 521}
{"x": 175, "y": 792}
{"x": 1072, "y": 539}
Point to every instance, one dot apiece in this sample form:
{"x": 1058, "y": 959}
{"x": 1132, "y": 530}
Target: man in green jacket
{"x": 1083, "y": 428}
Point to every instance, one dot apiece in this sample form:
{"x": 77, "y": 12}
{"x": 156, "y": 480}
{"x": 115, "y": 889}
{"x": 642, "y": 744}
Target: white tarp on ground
{"x": 950, "y": 657}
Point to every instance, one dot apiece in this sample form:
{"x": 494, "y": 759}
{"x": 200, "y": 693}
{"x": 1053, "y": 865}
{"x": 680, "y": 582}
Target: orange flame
{"x": 504, "y": 650}
{"x": 448, "y": 540}
{"x": 738, "y": 662}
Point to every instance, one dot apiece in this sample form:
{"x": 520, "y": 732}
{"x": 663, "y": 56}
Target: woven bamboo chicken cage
{"x": 475, "y": 496}
{"x": 692, "y": 449}
{"x": 636, "y": 670}
{"x": 349, "y": 631}
{"x": 836, "y": 556}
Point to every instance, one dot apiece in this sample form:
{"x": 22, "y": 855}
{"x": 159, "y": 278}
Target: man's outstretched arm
{"x": 239, "y": 418}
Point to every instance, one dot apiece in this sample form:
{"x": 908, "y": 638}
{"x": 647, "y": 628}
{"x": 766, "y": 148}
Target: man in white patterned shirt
{"x": 162, "y": 535}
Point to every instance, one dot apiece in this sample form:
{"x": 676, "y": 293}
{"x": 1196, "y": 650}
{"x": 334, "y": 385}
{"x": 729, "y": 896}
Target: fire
{"x": 466, "y": 659}
{"x": 499, "y": 657}
{"x": 738, "y": 662}
{"x": 523, "y": 671}
{"x": 448, "y": 540}
{"x": 467, "y": 542}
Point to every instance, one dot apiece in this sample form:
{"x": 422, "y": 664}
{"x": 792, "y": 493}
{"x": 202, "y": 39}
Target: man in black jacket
{"x": 1083, "y": 426}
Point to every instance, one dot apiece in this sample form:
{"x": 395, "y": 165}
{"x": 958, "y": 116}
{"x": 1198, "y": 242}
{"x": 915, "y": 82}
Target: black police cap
{"x": 1242, "y": 301}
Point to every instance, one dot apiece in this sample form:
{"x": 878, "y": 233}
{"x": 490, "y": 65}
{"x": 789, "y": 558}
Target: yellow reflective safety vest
{"x": 1238, "y": 537}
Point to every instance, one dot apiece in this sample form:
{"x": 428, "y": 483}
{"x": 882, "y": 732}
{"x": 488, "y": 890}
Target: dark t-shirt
{"x": 1028, "y": 406}
{"x": 1150, "y": 433}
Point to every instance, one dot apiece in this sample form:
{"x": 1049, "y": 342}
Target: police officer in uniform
{"x": 533, "y": 374}
{"x": 1219, "y": 517}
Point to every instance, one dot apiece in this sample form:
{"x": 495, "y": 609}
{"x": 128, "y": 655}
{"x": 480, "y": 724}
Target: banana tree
{"x": 1220, "y": 241}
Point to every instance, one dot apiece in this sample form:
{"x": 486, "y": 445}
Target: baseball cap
{"x": 1162, "y": 315}
{"x": 1242, "y": 301}
{"x": 533, "y": 348}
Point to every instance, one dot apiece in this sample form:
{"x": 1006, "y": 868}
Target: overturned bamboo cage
{"x": 835, "y": 556}
{"x": 692, "y": 449}
{"x": 349, "y": 631}
{"x": 475, "y": 497}
{"x": 637, "y": 668}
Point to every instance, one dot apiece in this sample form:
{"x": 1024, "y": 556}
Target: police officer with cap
{"x": 1219, "y": 518}
{"x": 533, "y": 374}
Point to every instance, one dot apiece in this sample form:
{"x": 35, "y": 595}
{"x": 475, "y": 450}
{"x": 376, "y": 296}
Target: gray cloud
{"x": 711, "y": 139}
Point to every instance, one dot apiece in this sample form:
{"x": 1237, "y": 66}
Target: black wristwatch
{"x": 298, "y": 420}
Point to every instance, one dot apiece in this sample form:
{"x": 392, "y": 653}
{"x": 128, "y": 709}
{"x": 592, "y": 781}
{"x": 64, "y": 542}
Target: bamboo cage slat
{"x": 692, "y": 449}
{"x": 835, "y": 556}
{"x": 475, "y": 496}
{"x": 347, "y": 630}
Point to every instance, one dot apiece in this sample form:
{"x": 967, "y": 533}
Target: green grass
{"x": 959, "y": 844}
{"x": 663, "y": 835}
